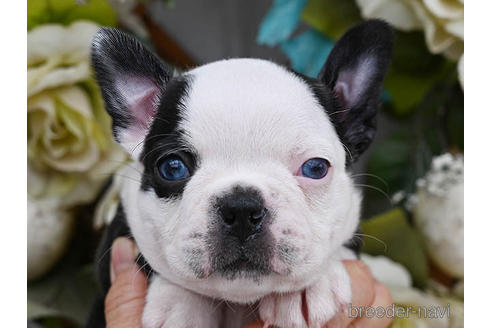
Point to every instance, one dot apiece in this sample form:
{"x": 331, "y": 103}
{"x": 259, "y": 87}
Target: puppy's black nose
{"x": 242, "y": 213}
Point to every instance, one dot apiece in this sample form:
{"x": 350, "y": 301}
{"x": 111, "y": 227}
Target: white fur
{"x": 253, "y": 123}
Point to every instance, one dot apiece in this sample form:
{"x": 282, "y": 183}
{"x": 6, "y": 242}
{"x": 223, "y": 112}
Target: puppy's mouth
{"x": 243, "y": 264}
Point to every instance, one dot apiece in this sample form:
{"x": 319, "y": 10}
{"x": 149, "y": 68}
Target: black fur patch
{"x": 116, "y": 55}
{"x": 355, "y": 243}
{"x": 164, "y": 139}
{"x": 117, "y": 228}
{"x": 356, "y": 124}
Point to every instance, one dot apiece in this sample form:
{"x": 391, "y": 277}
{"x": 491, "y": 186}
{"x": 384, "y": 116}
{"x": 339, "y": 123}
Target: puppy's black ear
{"x": 132, "y": 80}
{"x": 354, "y": 73}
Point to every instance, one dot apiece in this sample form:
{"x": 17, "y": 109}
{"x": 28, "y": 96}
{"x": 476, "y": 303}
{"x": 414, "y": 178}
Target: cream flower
{"x": 48, "y": 232}
{"x": 106, "y": 208}
{"x": 71, "y": 151}
{"x": 439, "y": 213}
{"x": 420, "y": 304}
{"x": 387, "y": 271}
{"x": 63, "y": 132}
{"x": 58, "y": 55}
{"x": 441, "y": 20}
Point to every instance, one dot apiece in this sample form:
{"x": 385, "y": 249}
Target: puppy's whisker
{"x": 138, "y": 257}
{"x": 115, "y": 161}
{"x": 348, "y": 151}
{"x": 134, "y": 168}
{"x": 374, "y": 188}
{"x": 119, "y": 175}
{"x": 339, "y": 111}
{"x": 136, "y": 146}
{"x": 148, "y": 275}
{"x": 108, "y": 250}
{"x": 136, "y": 273}
{"x": 127, "y": 164}
{"x": 104, "y": 254}
{"x": 358, "y": 238}
{"x": 151, "y": 137}
{"x": 360, "y": 235}
{"x": 141, "y": 267}
{"x": 170, "y": 151}
{"x": 371, "y": 175}
{"x": 161, "y": 119}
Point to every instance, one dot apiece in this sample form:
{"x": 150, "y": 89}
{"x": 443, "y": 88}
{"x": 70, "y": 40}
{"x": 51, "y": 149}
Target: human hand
{"x": 366, "y": 292}
{"x": 125, "y": 300}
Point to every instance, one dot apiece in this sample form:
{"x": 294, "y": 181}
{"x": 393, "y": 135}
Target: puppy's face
{"x": 241, "y": 164}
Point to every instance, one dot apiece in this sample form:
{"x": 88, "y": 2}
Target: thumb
{"x": 126, "y": 298}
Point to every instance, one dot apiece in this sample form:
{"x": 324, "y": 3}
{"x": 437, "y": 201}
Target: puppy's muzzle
{"x": 242, "y": 213}
{"x": 239, "y": 238}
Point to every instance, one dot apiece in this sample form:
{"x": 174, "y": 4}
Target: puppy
{"x": 239, "y": 197}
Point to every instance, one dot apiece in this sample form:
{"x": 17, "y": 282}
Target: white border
{"x": 13, "y": 164}
{"x": 478, "y": 163}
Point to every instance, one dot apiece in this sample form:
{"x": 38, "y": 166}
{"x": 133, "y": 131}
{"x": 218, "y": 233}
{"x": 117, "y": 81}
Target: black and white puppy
{"x": 243, "y": 193}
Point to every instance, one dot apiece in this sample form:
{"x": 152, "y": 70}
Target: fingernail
{"x": 123, "y": 254}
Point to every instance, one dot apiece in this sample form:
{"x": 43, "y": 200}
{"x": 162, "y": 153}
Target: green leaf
{"x": 391, "y": 235}
{"x": 391, "y": 160}
{"x": 435, "y": 127}
{"x": 331, "y": 17}
{"x": 439, "y": 119}
{"x": 67, "y": 293}
{"x": 455, "y": 120}
{"x": 37, "y": 310}
{"x": 413, "y": 71}
{"x": 67, "y": 11}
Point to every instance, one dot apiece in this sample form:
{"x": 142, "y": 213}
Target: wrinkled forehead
{"x": 254, "y": 108}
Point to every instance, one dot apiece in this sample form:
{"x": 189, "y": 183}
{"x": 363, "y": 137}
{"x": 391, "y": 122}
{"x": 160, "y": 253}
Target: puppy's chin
{"x": 247, "y": 287}
{"x": 242, "y": 281}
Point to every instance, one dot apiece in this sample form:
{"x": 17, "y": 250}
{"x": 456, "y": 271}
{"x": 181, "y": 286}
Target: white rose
{"x": 71, "y": 151}
{"x": 397, "y": 279}
{"x": 441, "y": 20}
{"x": 387, "y": 271}
{"x": 58, "y": 55}
{"x": 439, "y": 213}
{"x": 49, "y": 229}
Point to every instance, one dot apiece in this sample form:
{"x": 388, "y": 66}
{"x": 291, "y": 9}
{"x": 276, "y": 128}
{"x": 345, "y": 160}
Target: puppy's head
{"x": 241, "y": 164}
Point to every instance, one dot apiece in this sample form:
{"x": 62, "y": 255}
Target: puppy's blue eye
{"x": 173, "y": 168}
{"x": 315, "y": 168}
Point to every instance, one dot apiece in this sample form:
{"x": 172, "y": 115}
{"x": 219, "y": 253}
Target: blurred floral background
{"x": 412, "y": 176}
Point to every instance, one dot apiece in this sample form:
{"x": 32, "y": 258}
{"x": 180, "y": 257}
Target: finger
{"x": 382, "y": 302}
{"x": 363, "y": 293}
{"x": 126, "y": 298}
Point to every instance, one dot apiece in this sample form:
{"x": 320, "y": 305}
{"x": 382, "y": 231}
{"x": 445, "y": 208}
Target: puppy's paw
{"x": 329, "y": 296}
{"x": 169, "y": 306}
{"x": 321, "y": 301}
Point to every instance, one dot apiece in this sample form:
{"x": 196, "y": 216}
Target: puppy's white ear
{"x": 132, "y": 80}
{"x": 354, "y": 73}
